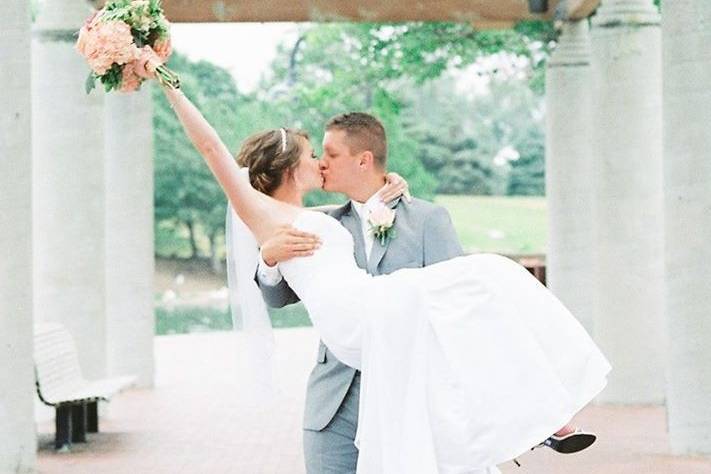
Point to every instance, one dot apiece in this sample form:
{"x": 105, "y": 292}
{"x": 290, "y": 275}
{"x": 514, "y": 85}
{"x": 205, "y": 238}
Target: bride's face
{"x": 307, "y": 175}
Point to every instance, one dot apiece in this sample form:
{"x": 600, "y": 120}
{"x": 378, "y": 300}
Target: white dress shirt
{"x": 363, "y": 210}
{"x": 271, "y": 276}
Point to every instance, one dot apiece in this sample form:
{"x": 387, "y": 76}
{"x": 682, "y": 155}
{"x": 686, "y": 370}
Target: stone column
{"x": 687, "y": 183}
{"x": 68, "y": 175}
{"x": 129, "y": 234}
{"x": 18, "y": 440}
{"x": 626, "y": 45}
{"x": 569, "y": 189}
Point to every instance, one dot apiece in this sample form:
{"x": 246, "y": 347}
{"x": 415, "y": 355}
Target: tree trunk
{"x": 193, "y": 243}
{"x": 216, "y": 262}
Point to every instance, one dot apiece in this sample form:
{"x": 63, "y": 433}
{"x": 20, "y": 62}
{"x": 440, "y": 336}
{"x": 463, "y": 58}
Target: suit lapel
{"x": 378, "y": 251}
{"x": 351, "y": 221}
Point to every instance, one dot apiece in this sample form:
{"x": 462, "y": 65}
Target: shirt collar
{"x": 364, "y": 208}
{"x": 361, "y": 210}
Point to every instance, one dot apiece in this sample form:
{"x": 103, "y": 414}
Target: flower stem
{"x": 167, "y": 77}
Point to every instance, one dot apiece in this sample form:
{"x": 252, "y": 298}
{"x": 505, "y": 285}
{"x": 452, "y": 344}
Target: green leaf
{"x": 90, "y": 83}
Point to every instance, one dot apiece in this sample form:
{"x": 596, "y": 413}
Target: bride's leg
{"x": 567, "y": 429}
{"x": 261, "y": 213}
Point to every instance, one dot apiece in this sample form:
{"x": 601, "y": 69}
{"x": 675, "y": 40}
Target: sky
{"x": 244, "y": 49}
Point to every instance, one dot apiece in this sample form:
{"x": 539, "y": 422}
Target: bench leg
{"x": 79, "y": 423}
{"x": 92, "y": 417}
{"x": 63, "y": 425}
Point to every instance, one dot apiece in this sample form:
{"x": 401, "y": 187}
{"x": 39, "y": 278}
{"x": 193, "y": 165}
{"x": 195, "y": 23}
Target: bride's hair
{"x": 270, "y": 156}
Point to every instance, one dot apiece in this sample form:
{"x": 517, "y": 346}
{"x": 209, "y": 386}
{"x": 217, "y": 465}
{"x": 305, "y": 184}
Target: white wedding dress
{"x": 465, "y": 364}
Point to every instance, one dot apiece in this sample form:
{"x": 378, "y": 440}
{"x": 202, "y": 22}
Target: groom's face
{"x": 339, "y": 166}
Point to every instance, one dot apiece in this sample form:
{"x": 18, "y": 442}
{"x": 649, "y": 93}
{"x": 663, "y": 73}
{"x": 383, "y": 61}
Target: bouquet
{"x": 111, "y": 41}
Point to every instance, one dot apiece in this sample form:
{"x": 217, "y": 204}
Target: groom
{"x": 354, "y": 163}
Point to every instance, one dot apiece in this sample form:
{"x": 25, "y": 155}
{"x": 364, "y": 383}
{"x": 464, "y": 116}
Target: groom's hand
{"x": 288, "y": 243}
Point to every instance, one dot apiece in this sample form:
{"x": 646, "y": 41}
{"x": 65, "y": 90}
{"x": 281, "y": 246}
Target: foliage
{"x": 527, "y": 176}
{"x": 186, "y": 193}
{"x": 146, "y": 19}
{"x": 333, "y": 68}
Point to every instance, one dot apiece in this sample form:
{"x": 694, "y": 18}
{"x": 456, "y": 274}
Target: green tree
{"x": 528, "y": 171}
{"x": 186, "y": 194}
{"x": 381, "y": 69}
{"x": 321, "y": 75}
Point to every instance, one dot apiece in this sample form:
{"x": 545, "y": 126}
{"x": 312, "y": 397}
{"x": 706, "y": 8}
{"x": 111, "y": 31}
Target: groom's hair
{"x": 364, "y": 133}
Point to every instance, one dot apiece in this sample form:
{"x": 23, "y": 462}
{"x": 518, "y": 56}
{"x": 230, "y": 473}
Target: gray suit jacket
{"x": 424, "y": 235}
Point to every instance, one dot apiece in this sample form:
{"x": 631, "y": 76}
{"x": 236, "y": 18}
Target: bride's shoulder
{"x": 312, "y": 219}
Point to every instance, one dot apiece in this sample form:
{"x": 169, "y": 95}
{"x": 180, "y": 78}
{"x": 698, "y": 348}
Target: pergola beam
{"x": 481, "y": 13}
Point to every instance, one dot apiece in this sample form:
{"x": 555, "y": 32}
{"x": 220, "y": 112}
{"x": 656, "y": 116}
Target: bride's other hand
{"x": 146, "y": 64}
{"x": 288, "y": 243}
{"x": 395, "y": 187}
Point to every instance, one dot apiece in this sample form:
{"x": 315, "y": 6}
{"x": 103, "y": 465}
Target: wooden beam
{"x": 486, "y": 13}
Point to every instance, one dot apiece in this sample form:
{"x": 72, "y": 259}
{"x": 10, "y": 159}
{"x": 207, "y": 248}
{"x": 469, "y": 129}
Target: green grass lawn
{"x": 502, "y": 224}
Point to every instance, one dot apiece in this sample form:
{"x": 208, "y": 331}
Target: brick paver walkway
{"x": 195, "y": 421}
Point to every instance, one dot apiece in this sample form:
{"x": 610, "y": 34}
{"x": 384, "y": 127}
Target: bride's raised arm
{"x": 262, "y": 214}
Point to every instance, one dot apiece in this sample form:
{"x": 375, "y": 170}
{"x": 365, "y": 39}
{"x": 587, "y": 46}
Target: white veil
{"x": 250, "y": 318}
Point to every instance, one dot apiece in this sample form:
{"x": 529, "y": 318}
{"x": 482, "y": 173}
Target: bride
{"x": 465, "y": 364}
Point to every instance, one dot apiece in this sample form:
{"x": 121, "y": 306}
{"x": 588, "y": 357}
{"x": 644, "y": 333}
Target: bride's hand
{"x": 288, "y": 243}
{"x": 395, "y": 187}
{"x": 146, "y": 64}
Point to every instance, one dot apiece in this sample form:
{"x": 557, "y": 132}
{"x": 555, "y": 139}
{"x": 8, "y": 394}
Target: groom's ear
{"x": 366, "y": 160}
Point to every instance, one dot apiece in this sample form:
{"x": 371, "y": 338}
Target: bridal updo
{"x": 270, "y": 156}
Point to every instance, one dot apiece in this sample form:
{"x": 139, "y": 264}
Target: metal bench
{"x": 60, "y": 384}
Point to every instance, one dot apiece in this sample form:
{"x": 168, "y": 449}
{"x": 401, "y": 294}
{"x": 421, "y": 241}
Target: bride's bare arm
{"x": 262, "y": 214}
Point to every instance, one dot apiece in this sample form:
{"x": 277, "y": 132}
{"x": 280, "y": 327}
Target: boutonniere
{"x": 381, "y": 224}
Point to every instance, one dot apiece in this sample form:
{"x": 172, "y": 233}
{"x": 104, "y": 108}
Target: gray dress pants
{"x": 331, "y": 450}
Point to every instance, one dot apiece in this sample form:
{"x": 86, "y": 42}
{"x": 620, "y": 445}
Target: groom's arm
{"x": 275, "y": 290}
{"x": 278, "y": 296}
{"x": 286, "y": 243}
{"x": 440, "y": 239}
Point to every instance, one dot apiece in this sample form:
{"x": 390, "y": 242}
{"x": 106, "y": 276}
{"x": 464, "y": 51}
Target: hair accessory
{"x": 283, "y": 140}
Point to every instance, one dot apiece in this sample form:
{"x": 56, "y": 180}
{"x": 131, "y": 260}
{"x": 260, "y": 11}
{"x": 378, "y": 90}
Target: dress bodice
{"x": 331, "y": 267}
{"x": 332, "y": 287}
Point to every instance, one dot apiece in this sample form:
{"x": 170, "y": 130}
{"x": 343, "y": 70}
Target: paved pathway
{"x": 196, "y": 421}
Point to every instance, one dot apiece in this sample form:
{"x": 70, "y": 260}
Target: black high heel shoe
{"x": 570, "y": 443}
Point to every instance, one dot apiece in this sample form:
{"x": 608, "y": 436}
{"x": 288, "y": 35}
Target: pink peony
{"x": 130, "y": 81}
{"x": 106, "y": 43}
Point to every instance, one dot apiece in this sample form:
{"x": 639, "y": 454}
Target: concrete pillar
{"x": 569, "y": 189}
{"x": 129, "y": 234}
{"x": 18, "y": 440}
{"x": 68, "y": 177}
{"x": 626, "y": 45}
{"x": 687, "y": 180}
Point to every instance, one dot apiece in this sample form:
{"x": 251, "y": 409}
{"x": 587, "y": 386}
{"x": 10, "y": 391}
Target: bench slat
{"x": 58, "y": 372}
